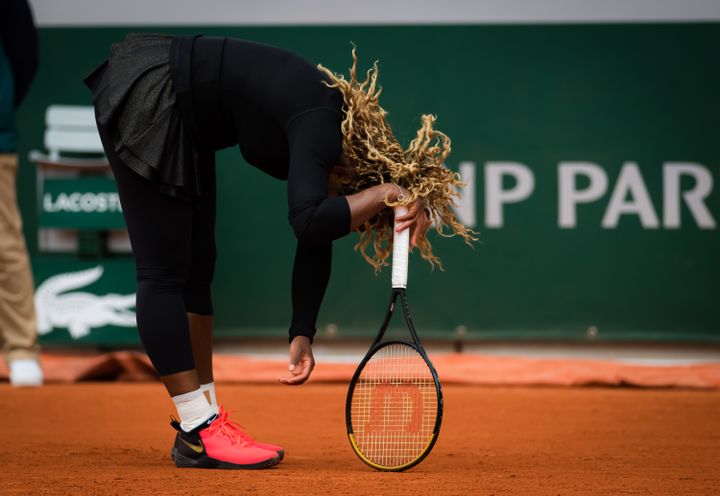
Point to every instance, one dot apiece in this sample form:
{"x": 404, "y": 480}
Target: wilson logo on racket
{"x": 395, "y": 408}
{"x": 394, "y": 404}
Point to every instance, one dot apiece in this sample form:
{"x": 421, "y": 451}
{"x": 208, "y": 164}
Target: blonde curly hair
{"x": 374, "y": 153}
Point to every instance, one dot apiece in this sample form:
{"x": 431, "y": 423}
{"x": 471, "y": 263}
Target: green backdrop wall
{"x": 539, "y": 95}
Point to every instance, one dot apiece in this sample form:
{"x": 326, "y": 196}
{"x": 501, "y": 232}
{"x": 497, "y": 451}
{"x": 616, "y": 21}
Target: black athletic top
{"x": 274, "y": 105}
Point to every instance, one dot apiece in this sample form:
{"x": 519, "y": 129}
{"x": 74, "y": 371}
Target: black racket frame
{"x": 401, "y": 295}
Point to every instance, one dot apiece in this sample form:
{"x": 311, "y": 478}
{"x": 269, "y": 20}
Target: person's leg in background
{"x": 18, "y": 330}
{"x": 198, "y": 299}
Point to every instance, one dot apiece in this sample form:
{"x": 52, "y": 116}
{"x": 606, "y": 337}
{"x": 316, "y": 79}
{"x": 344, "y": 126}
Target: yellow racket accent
{"x": 382, "y": 467}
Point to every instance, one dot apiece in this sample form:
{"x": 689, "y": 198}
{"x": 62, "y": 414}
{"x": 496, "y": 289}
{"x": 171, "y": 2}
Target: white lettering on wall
{"x": 82, "y": 202}
{"x": 630, "y": 182}
{"x": 496, "y": 197}
{"x": 465, "y": 208}
{"x": 694, "y": 198}
{"x": 568, "y": 194}
{"x": 629, "y": 196}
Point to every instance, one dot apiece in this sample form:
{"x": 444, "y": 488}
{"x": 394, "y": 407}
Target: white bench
{"x": 70, "y": 129}
{"x": 74, "y": 149}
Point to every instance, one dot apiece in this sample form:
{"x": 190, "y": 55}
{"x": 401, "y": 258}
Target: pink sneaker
{"x": 217, "y": 444}
{"x": 222, "y": 413}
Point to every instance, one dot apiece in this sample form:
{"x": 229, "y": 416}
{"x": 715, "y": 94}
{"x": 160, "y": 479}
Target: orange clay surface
{"x": 110, "y": 438}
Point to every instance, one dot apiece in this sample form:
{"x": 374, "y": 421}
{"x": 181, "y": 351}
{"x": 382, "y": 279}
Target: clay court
{"x": 113, "y": 438}
{"x": 577, "y": 339}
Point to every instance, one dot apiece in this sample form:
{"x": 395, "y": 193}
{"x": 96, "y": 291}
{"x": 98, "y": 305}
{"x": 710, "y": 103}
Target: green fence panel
{"x": 593, "y": 158}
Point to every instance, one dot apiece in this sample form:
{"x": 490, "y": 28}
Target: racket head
{"x": 394, "y": 407}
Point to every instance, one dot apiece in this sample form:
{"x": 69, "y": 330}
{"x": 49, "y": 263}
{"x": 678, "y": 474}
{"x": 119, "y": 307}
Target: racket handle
{"x": 401, "y": 247}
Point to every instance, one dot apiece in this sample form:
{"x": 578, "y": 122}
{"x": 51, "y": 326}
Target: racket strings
{"x": 394, "y": 406}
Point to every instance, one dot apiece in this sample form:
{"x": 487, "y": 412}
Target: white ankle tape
{"x": 193, "y": 409}
{"x": 209, "y": 388}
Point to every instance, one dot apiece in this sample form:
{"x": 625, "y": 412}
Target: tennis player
{"x": 164, "y": 105}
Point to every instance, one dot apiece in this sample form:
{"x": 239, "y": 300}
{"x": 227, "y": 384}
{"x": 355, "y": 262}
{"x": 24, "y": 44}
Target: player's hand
{"x": 301, "y": 362}
{"x": 416, "y": 219}
{"x": 395, "y": 192}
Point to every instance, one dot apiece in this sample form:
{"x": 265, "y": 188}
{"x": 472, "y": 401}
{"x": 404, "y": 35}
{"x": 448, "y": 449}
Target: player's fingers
{"x": 298, "y": 379}
{"x": 302, "y": 370}
{"x": 300, "y": 365}
{"x": 404, "y": 225}
{"x": 406, "y": 221}
{"x": 411, "y": 213}
{"x": 296, "y": 353}
{"x": 289, "y": 380}
{"x": 421, "y": 228}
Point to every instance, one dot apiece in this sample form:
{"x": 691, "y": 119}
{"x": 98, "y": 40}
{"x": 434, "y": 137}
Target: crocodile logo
{"x": 56, "y": 305}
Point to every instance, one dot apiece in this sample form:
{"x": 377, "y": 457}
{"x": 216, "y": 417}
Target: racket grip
{"x": 401, "y": 247}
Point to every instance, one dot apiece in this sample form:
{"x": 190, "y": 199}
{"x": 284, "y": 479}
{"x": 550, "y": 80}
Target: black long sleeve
{"x": 19, "y": 38}
{"x": 314, "y": 142}
{"x": 310, "y": 277}
{"x": 276, "y": 107}
{"x": 316, "y": 219}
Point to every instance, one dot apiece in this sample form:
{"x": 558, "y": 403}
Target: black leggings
{"x": 174, "y": 247}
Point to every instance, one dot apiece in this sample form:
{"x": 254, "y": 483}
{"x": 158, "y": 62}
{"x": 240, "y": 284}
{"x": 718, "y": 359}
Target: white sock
{"x": 193, "y": 409}
{"x": 209, "y": 388}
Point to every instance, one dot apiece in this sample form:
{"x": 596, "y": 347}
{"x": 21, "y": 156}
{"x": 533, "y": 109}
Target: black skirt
{"x": 135, "y": 100}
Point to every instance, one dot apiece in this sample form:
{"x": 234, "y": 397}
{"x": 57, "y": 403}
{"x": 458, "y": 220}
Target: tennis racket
{"x": 394, "y": 404}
